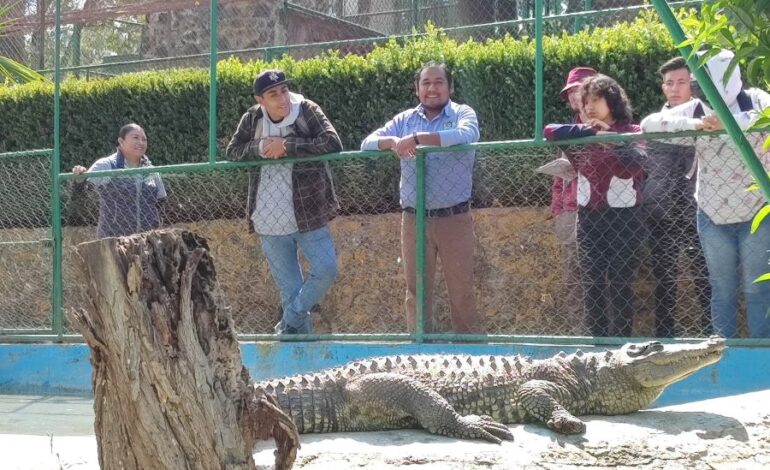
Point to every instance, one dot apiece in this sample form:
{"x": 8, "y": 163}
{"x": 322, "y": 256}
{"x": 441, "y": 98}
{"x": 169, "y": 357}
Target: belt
{"x": 461, "y": 208}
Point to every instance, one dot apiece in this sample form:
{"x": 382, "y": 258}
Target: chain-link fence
{"x": 618, "y": 255}
{"x": 605, "y": 265}
{"x": 25, "y": 241}
{"x": 104, "y": 39}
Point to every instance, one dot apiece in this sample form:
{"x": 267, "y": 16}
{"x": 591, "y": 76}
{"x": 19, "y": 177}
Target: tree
{"x": 12, "y": 71}
{"x": 170, "y": 391}
{"x": 742, "y": 26}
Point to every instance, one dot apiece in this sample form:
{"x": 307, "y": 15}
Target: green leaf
{"x": 754, "y": 68}
{"x": 766, "y": 68}
{"x": 18, "y": 73}
{"x": 729, "y": 72}
{"x": 744, "y": 18}
{"x": 727, "y": 37}
{"x": 759, "y": 218}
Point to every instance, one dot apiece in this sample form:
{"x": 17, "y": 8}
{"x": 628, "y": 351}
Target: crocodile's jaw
{"x": 654, "y": 365}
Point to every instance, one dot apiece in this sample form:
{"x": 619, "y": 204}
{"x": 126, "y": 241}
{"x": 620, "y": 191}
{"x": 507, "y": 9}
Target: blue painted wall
{"x": 55, "y": 369}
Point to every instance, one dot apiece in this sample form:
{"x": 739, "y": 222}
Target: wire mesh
{"x": 213, "y": 204}
{"x": 637, "y": 270}
{"x": 25, "y": 248}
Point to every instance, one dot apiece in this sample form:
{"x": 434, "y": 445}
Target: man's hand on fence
{"x": 274, "y": 148}
{"x": 79, "y": 170}
{"x": 403, "y": 147}
{"x": 711, "y": 123}
{"x": 406, "y": 146}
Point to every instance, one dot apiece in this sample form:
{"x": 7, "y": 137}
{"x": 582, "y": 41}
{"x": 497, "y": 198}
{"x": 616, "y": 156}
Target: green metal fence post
{"x": 213, "y": 85}
{"x": 419, "y": 210}
{"x": 57, "y": 323}
{"x": 580, "y": 20}
{"x": 538, "y": 70}
{"x": 77, "y": 37}
{"x": 715, "y": 99}
{"x": 415, "y": 15}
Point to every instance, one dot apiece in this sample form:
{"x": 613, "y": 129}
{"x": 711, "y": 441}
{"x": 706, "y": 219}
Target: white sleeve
{"x": 676, "y": 119}
{"x": 760, "y": 101}
{"x": 665, "y": 122}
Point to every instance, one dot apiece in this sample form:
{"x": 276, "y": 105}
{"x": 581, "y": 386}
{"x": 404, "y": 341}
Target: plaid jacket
{"x": 315, "y": 202}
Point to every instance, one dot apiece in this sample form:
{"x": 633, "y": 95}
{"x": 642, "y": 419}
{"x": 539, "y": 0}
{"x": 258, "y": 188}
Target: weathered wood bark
{"x": 170, "y": 391}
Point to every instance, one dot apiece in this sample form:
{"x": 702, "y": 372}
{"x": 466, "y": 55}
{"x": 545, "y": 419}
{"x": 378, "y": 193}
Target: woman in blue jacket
{"x": 127, "y": 204}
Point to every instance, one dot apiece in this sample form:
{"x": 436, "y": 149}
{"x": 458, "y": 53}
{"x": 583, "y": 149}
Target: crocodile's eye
{"x": 636, "y": 350}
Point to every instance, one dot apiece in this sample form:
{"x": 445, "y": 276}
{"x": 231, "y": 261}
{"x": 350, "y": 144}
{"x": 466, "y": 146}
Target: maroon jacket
{"x": 609, "y": 175}
{"x": 563, "y": 195}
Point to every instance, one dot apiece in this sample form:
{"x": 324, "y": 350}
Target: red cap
{"x": 575, "y": 78}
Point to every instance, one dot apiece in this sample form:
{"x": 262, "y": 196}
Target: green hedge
{"x": 358, "y": 93}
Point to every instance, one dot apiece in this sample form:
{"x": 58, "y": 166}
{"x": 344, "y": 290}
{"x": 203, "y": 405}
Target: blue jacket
{"x": 128, "y": 204}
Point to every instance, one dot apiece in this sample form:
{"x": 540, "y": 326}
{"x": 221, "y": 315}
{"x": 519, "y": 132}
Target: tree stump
{"x": 170, "y": 391}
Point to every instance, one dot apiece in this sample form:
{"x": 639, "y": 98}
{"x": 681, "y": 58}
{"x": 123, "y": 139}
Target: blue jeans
{"x": 733, "y": 256}
{"x": 298, "y": 295}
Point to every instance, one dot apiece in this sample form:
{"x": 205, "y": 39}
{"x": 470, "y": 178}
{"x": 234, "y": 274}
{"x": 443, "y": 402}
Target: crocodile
{"x": 473, "y": 397}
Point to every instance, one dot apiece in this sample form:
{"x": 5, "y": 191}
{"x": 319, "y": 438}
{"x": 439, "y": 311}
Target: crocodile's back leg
{"x": 374, "y": 399}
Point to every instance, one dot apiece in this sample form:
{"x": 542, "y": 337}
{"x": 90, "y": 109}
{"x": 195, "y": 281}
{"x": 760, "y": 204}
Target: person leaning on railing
{"x": 436, "y": 121}
{"x": 564, "y": 209}
{"x": 610, "y": 180}
{"x": 725, "y": 207}
{"x": 670, "y": 210}
{"x": 127, "y": 204}
{"x": 290, "y": 205}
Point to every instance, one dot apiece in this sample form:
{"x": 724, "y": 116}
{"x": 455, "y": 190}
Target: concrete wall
{"x": 246, "y": 25}
{"x": 54, "y": 369}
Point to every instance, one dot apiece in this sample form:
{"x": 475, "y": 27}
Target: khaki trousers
{"x": 452, "y": 239}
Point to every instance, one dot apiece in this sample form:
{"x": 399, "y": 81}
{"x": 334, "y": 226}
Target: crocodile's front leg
{"x": 400, "y": 394}
{"x": 538, "y": 398}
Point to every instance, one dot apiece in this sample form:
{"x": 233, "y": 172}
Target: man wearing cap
{"x": 436, "y": 121}
{"x": 564, "y": 206}
{"x": 290, "y": 204}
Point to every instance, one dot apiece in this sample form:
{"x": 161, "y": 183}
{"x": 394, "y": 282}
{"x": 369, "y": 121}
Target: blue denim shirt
{"x": 128, "y": 204}
{"x": 449, "y": 175}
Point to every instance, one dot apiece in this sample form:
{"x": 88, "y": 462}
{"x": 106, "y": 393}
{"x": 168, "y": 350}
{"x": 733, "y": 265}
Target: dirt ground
{"x": 55, "y": 433}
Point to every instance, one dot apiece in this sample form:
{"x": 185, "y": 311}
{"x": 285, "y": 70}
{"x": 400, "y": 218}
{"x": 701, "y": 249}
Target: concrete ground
{"x": 56, "y": 433}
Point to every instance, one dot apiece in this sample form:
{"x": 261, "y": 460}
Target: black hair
{"x": 607, "y": 88}
{"x": 673, "y": 64}
{"x": 438, "y": 65}
{"x": 123, "y": 132}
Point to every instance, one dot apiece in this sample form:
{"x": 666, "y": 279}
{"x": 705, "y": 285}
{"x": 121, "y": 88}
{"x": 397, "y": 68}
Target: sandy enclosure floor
{"x": 55, "y": 433}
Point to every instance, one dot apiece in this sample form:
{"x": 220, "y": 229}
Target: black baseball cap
{"x": 268, "y": 79}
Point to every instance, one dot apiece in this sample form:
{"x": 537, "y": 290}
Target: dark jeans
{"x": 608, "y": 249}
{"x": 671, "y": 231}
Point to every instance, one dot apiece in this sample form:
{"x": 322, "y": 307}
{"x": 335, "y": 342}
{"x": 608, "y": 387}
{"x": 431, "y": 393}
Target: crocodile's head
{"x": 653, "y": 364}
{"x": 635, "y": 375}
